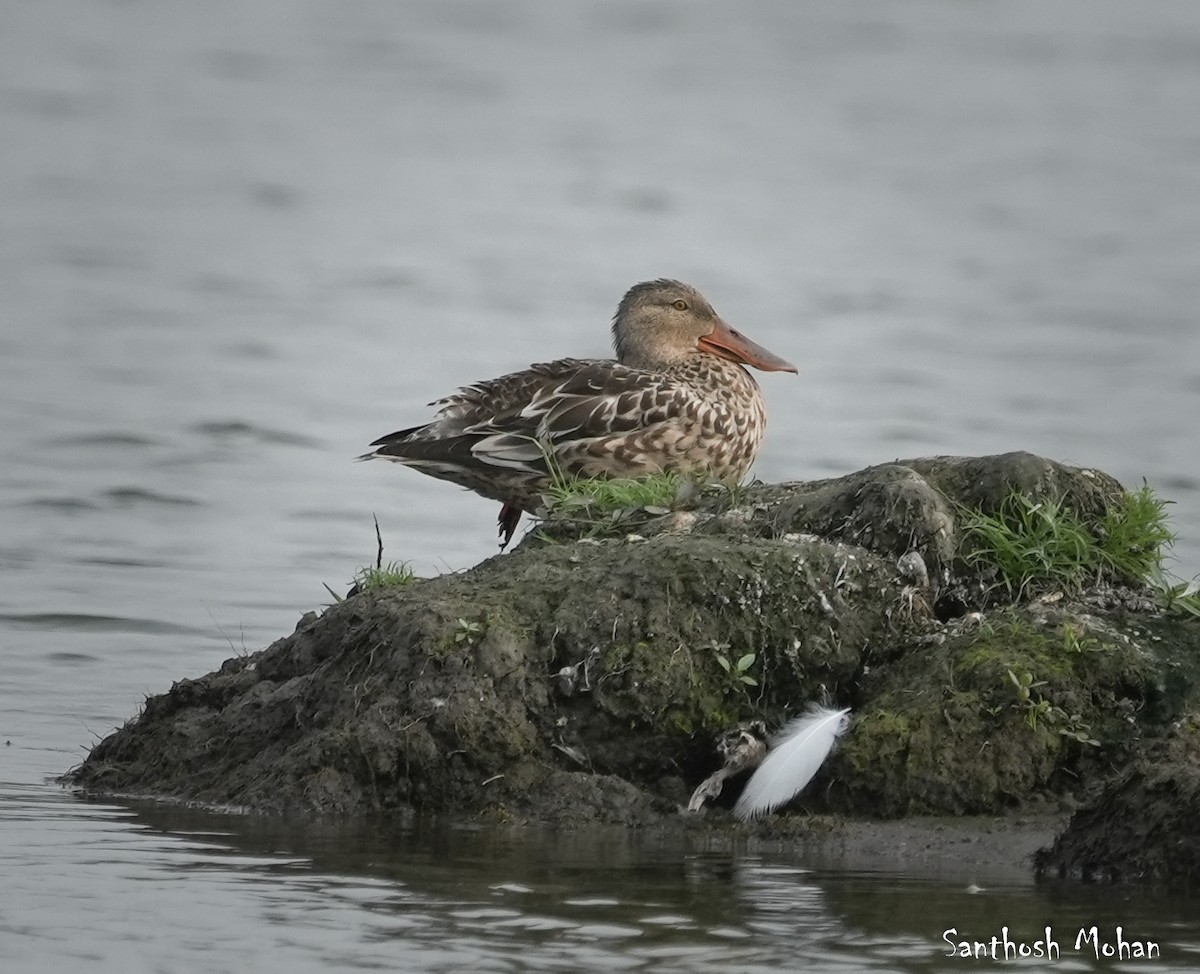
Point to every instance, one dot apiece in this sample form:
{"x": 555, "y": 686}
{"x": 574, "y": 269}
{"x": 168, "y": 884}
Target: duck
{"x": 676, "y": 398}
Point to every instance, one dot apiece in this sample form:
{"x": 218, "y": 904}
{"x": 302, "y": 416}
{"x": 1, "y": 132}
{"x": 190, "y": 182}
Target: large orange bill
{"x": 736, "y": 347}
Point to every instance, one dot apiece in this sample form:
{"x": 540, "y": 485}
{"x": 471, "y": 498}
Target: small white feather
{"x": 797, "y": 753}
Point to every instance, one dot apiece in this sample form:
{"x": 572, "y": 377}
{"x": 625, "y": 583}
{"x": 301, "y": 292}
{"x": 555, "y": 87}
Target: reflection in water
{"x": 433, "y": 896}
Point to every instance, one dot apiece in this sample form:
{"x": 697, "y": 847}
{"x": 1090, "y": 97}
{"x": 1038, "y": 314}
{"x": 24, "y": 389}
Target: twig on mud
{"x": 379, "y": 539}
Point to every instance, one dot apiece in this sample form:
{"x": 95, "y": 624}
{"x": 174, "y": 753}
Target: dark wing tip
{"x": 398, "y": 435}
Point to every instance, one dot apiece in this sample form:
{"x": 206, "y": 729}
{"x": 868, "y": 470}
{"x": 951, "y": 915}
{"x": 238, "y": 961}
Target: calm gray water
{"x": 239, "y": 241}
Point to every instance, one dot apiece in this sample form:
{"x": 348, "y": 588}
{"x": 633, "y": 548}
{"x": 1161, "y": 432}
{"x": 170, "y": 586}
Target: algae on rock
{"x": 580, "y": 677}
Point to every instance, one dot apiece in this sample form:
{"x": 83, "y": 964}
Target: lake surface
{"x": 240, "y": 241}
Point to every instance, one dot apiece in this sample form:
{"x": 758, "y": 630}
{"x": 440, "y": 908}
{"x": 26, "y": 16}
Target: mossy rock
{"x": 995, "y": 713}
{"x": 589, "y": 677}
{"x": 421, "y": 695}
{"x": 1143, "y": 827}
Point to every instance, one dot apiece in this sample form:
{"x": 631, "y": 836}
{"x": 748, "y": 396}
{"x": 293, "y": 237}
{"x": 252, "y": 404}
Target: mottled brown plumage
{"x": 675, "y": 399}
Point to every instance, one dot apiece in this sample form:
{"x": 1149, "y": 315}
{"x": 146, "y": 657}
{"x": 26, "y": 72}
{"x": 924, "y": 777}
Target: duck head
{"x": 663, "y": 323}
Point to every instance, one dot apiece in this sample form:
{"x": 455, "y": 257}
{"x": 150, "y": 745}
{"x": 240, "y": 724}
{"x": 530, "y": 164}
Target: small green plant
{"x": 467, "y": 631}
{"x": 1034, "y": 709}
{"x": 1074, "y": 642}
{"x": 1075, "y": 728}
{"x": 739, "y": 669}
{"x": 1175, "y": 594}
{"x": 1038, "y": 711}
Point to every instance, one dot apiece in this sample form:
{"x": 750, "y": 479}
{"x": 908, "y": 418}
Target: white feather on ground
{"x": 797, "y": 753}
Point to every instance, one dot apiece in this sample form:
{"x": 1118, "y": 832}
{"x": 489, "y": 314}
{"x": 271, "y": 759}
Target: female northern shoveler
{"x": 676, "y": 399}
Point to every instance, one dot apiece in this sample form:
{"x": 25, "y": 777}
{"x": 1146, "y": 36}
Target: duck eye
{"x": 681, "y": 305}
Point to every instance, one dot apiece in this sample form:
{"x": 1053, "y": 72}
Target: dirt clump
{"x": 587, "y": 675}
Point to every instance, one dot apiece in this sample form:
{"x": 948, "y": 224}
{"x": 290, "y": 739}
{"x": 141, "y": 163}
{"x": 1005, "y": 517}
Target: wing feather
{"x": 514, "y": 420}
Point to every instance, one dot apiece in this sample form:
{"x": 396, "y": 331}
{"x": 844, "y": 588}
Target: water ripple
{"x": 64, "y": 505}
{"x": 71, "y": 658}
{"x": 86, "y": 622}
{"x": 137, "y": 496}
{"x": 114, "y": 438}
{"x": 236, "y": 429}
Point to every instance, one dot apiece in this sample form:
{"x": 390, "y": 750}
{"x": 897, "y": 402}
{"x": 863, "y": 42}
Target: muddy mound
{"x": 1141, "y": 829}
{"x": 590, "y": 674}
{"x": 1142, "y": 826}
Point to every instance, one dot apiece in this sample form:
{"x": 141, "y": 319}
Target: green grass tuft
{"x": 1134, "y": 536}
{"x": 1043, "y": 545}
{"x": 592, "y": 499}
{"x": 391, "y": 575}
{"x": 655, "y": 492}
{"x": 1032, "y": 544}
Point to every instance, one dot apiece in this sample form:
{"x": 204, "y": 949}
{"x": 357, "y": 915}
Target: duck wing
{"x": 554, "y": 409}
